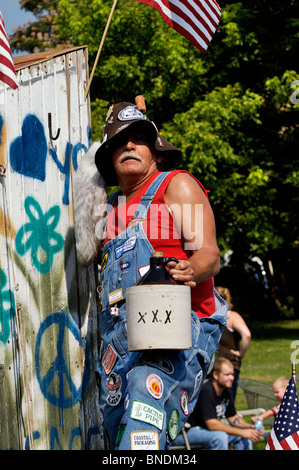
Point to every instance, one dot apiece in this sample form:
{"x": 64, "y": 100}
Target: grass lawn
{"x": 269, "y": 355}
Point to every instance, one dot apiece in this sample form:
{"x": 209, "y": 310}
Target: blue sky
{"x": 13, "y": 15}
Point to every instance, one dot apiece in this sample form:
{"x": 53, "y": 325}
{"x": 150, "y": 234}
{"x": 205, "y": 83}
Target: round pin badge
{"x": 185, "y": 402}
{"x": 113, "y": 384}
{"x": 211, "y": 363}
{"x": 173, "y": 424}
{"x": 154, "y": 386}
{"x": 130, "y": 113}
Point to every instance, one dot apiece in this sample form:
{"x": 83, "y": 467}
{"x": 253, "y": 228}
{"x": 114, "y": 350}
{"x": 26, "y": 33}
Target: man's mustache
{"x": 129, "y": 154}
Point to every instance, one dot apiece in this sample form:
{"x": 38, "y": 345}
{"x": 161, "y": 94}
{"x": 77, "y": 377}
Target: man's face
{"x": 133, "y": 156}
{"x": 225, "y": 377}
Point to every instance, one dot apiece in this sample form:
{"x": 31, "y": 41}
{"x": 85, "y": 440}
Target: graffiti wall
{"x": 48, "y": 307}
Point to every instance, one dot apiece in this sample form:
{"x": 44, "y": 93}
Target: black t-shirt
{"x": 210, "y": 406}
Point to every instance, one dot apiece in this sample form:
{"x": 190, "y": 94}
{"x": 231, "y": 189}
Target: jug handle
{"x": 166, "y": 260}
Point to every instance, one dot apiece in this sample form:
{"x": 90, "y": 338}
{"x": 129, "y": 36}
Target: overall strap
{"x": 112, "y": 198}
{"x": 109, "y": 205}
{"x": 149, "y": 196}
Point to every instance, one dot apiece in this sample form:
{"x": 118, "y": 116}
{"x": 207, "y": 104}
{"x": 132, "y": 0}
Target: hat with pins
{"x": 121, "y": 119}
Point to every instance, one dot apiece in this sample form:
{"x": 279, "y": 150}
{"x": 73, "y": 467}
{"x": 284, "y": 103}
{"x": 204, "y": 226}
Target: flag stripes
{"x": 7, "y": 70}
{"x": 284, "y": 434}
{"x": 290, "y": 443}
{"x": 197, "y": 20}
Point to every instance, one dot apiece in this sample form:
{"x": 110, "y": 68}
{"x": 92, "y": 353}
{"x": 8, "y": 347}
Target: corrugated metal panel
{"x": 48, "y": 313}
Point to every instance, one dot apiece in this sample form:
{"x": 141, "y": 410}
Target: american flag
{"x": 285, "y": 432}
{"x": 7, "y": 70}
{"x": 197, "y": 20}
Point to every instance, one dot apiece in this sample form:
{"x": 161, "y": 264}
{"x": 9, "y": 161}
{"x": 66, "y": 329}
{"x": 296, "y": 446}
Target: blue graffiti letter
{"x": 70, "y": 151}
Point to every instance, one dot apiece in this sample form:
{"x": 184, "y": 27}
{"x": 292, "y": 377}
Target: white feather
{"x": 90, "y": 198}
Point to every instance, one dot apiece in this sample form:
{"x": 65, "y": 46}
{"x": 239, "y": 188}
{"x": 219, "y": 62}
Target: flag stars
{"x": 285, "y": 432}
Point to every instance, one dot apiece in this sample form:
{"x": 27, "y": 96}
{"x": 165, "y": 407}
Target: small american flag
{"x": 197, "y": 20}
{"x": 285, "y": 432}
{"x": 7, "y": 70}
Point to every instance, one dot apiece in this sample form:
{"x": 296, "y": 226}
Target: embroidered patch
{"x": 113, "y": 384}
{"x": 130, "y": 113}
{"x": 115, "y": 296}
{"x": 211, "y": 363}
{"x": 154, "y": 385}
{"x": 109, "y": 359}
{"x": 144, "y": 440}
{"x": 126, "y": 246}
{"x": 197, "y": 383}
{"x": 120, "y": 432}
{"x": 125, "y": 266}
{"x": 161, "y": 363}
{"x": 143, "y": 270}
{"x": 185, "y": 402}
{"x": 147, "y": 414}
{"x": 104, "y": 262}
{"x": 173, "y": 424}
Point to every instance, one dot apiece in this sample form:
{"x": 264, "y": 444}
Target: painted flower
{"x": 39, "y": 235}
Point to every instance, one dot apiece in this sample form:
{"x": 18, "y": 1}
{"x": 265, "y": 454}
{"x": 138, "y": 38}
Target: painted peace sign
{"x": 60, "y": 384}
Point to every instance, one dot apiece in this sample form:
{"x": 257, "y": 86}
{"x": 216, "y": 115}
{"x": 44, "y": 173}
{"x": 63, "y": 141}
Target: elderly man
{"x": 137, "y": 158}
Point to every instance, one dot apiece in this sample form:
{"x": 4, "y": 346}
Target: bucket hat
{"x": 124, "y": 117}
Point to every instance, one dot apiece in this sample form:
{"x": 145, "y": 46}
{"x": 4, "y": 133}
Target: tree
{"x": 39, "y": 35}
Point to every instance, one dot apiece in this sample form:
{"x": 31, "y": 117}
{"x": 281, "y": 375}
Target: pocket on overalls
{"x": 211, "y": 331}
{"x": 120, "y": 343}
{"x": 123, "y": 274}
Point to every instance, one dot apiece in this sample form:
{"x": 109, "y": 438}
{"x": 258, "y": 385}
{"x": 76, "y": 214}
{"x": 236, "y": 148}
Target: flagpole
{"x": 294, "y": 371}
{"x": 100, "y": 48}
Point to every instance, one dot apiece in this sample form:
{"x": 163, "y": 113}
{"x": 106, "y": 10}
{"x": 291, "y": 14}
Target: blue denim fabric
{"x": 123, "y": 384}
{"x": 213, "y": 440}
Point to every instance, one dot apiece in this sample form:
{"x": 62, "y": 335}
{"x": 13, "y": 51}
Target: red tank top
{"x": 161, "y": 232}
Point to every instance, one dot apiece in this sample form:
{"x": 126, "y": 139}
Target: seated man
{"x": 215, "y": 403}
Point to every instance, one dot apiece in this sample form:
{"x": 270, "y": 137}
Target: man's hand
{"x": 252, "y": 434}
{"x": 237, "y": 427}
{"x": 182, "y": 272}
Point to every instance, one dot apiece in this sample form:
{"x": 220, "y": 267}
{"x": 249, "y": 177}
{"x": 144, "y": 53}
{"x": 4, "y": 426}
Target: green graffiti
{"x": 7, "y": 310}
{"x": 39, "y": 235}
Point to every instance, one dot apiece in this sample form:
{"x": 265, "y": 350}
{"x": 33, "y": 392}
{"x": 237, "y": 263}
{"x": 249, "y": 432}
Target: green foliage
{"x": 141, "y": 54}
{"x": 39, "y": 35}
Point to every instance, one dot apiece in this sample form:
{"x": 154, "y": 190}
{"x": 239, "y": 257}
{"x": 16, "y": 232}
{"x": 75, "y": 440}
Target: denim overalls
{"x": 146, "y": 397}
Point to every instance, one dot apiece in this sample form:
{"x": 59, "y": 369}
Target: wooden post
{"x": 100, "y": 48}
